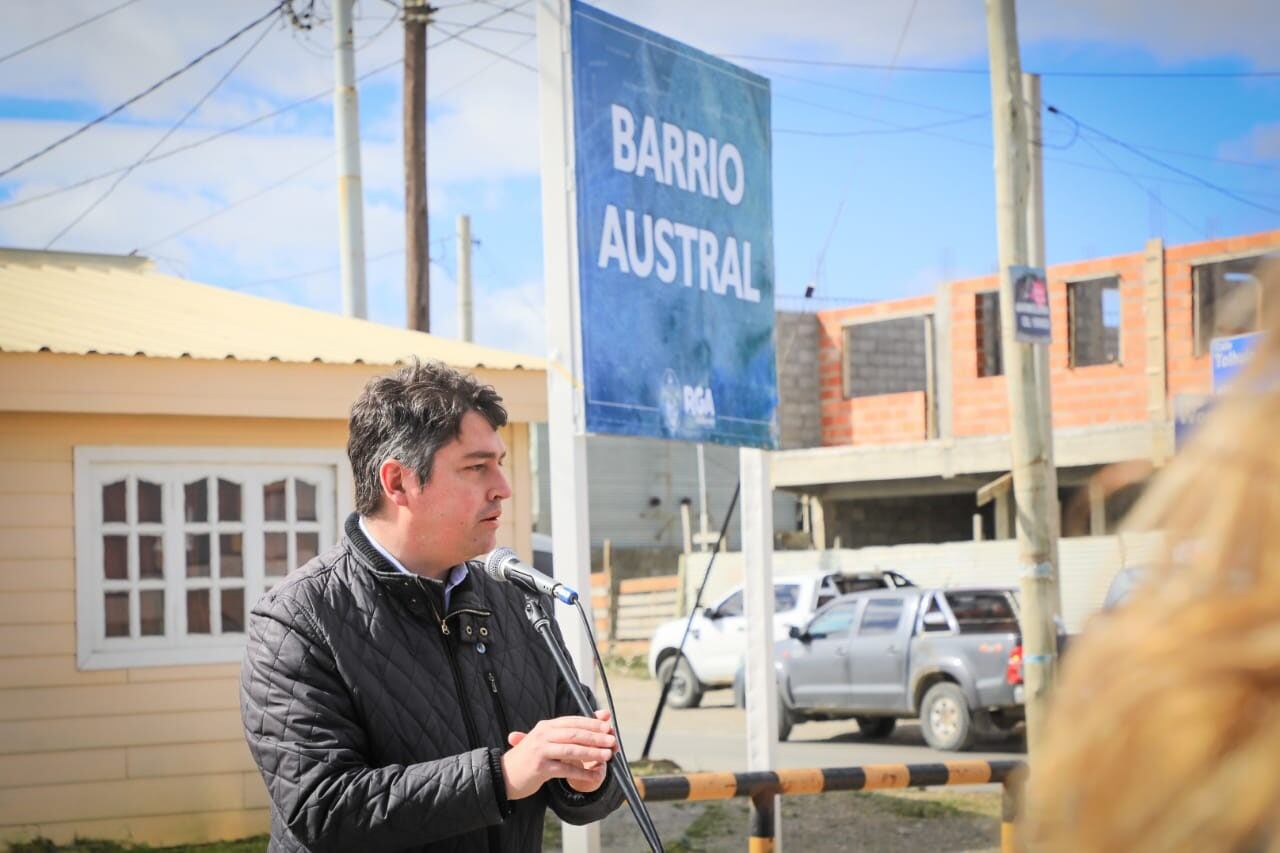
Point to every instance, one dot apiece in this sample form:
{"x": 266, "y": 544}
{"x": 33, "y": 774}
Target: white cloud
{"x": 1260, "y": 143}
{"x": 483, "y": 131}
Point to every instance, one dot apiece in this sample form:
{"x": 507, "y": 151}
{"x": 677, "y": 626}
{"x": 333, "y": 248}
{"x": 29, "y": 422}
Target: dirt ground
{"x": 946, "y": 822}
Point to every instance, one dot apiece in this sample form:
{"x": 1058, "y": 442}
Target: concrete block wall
{"x": 882, "y": 419}
{"x": 799, "y": 411}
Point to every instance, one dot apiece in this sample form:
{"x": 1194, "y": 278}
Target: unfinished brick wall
{"x": 1084, "y": 396}
{"x": 882, "y": 419}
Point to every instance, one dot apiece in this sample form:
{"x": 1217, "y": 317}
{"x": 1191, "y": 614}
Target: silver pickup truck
{"x": 951, "y": 657}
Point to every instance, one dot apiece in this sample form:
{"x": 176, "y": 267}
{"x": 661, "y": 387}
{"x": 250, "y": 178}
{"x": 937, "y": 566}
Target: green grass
{"x": 257, "y": 844}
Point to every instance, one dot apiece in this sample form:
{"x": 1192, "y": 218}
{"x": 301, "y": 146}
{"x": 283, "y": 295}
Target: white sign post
{"x": 570, "y": 539}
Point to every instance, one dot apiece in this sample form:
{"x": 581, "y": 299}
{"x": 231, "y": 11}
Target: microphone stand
{"x": 618, "y": 768}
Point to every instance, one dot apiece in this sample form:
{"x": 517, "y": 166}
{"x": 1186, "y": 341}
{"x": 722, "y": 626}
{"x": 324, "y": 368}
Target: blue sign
{"x": 1229, "y": 355}
{"x": 1189, "y": 411}
{"x": 1030, "y": 305}
{"x": 675, "y": 238}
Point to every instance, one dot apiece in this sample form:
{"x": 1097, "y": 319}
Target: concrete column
{"x": 1097, "y": 509}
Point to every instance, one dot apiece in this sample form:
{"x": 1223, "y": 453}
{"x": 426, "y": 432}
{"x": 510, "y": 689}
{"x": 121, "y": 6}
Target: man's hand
{"x": 575, "y": 749}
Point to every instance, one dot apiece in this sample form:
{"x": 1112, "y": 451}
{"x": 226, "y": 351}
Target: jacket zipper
{"x": 497, "y": 702}
{"x": 472, "y": 737}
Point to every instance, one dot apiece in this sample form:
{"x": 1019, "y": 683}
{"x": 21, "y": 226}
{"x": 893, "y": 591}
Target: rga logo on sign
{"x": 675, "y": 237}
{"x": 685, "y": 404}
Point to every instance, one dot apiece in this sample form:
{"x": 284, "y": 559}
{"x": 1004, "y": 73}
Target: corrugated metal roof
{"x": 112, "y": 305}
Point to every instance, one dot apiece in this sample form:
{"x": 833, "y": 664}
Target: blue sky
{"x": 915, "y": 208}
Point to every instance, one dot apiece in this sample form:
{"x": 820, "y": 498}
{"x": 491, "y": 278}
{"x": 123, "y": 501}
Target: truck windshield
{"x": 983, "y": 612}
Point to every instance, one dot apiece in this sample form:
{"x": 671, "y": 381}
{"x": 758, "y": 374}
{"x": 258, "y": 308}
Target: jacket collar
{"x": 466, "y": 595}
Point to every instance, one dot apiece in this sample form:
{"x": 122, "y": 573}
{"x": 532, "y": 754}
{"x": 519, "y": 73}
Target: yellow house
{"x": 168, "y": 450}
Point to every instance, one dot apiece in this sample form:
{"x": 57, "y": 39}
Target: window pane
{"x": 113, "y": 497}
{"x": 197, "y": 501}
{"x": 306, "y": 496}
{"x": 232, "y": 611}
{"x": 115, "y": 558}
{"x": 197, "y": 555}
{"x": 228, "y": 501}
{"x": 834, "y": 622}
{"x": 273, "y": 508}
{"x": 152, "y": 621}
{"x": 732, "y": 605}
{"x": 785, "y": 597}
{"x": 277, "y": 553}
{"x": 150, "y": 557}
{"x": 987, "y": 333}
{"x": 881, "y": 616}
{"x": 117, "y": 614}
{"x": 308, "y": 546}
{"x": 148, "y": 501}
{"x": 197, "y": 611}
{"x": 231, "y": 559}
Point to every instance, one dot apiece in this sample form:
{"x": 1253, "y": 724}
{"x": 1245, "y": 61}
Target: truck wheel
{"x": 875, "y": 728}
{"x": 786, "y": 719}
{"x": 685, "y": 691}
{"x": 945, "y": 718}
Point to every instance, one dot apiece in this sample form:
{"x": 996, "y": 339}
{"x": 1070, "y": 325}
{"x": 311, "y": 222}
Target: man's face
{"x": 455, "y": 515}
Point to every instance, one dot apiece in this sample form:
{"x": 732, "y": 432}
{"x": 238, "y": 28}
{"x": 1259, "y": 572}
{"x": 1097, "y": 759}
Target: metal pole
{"x": 566, "y": 429}
{"x": 1035, "y": 484}
{"x": 757, "y": 600}
{"x": 703, "y": 518}
{"x": 417, "y": 263}
{"x": 464, "y": 278}
{"x": 346, "y": 126}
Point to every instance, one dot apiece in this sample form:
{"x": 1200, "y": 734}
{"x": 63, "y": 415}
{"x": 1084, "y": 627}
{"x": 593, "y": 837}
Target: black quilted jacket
{"x": 375, "y": 729}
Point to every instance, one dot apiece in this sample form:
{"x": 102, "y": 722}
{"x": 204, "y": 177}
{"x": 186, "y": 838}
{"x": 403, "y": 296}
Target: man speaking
{"x": 395, "y": 697}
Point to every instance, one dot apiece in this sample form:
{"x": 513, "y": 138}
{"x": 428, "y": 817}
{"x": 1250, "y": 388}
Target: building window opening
{"x": 1093, "y": 309}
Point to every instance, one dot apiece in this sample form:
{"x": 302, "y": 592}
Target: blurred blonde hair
{"x": 1164, "y": 733}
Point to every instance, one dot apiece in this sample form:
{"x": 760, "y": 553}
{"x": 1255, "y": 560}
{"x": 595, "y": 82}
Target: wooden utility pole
{"x": 417, "y": 264}
{"x": 1035, "y": 481}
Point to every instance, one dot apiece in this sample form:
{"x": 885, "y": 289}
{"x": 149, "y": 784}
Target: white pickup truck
{"x": 717, "y": 638}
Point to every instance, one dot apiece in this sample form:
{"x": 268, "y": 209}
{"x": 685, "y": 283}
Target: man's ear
{"x": 396, "y": 481}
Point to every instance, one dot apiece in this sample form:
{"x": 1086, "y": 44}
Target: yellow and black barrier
{"x": 762, "y": 786}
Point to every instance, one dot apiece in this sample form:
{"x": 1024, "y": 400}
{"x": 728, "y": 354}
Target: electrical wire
{"x": 488, "y": 50}
{"x": 1157, "y": 161}
{"x": 881, "y": 131}
{"x": 147, "y": 91}
{"x": 1152, "y": 196}
{"x": 933, "y": 69}
{"x": 33, "y": 45}
{"x": 251, "y": 122}
{"x": 233, "y": 205}
{"x": 172, "y": 129}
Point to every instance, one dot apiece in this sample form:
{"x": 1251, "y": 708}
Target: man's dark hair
{"x": 408, "y": 416}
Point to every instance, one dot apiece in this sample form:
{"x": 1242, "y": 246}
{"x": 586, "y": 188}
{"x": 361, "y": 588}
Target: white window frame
{"x": 96, "y": 466}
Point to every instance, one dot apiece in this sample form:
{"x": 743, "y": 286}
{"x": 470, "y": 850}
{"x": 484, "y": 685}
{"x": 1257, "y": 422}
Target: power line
{"x": 488, "y": 50}
{"x": 1177, "y": 170}
{"x": 247, "y": 124}
{"x": 865, "y": 94}
{"x": 844, "y": 134}
{"x": 113, "y": 111}
{"x": 934, "y": 69}
{"x": 172, "y": 129}
{"x": 1152, "y": 196}
{"x": 237, "y": 203}
{"x": 64, "y": 31}
{"x": 295, "y": 276}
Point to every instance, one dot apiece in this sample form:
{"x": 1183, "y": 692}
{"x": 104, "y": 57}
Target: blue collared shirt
{"x": 456, "y": 574}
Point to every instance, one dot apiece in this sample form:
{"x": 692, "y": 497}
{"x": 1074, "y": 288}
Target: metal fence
{"x": 762, "y": 786}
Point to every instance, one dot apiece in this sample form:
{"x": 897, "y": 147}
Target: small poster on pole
{"x": 1030, "y": 305}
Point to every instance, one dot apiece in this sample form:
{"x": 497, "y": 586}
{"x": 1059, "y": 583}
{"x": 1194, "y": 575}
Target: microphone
{"x": 504, "y": 566}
